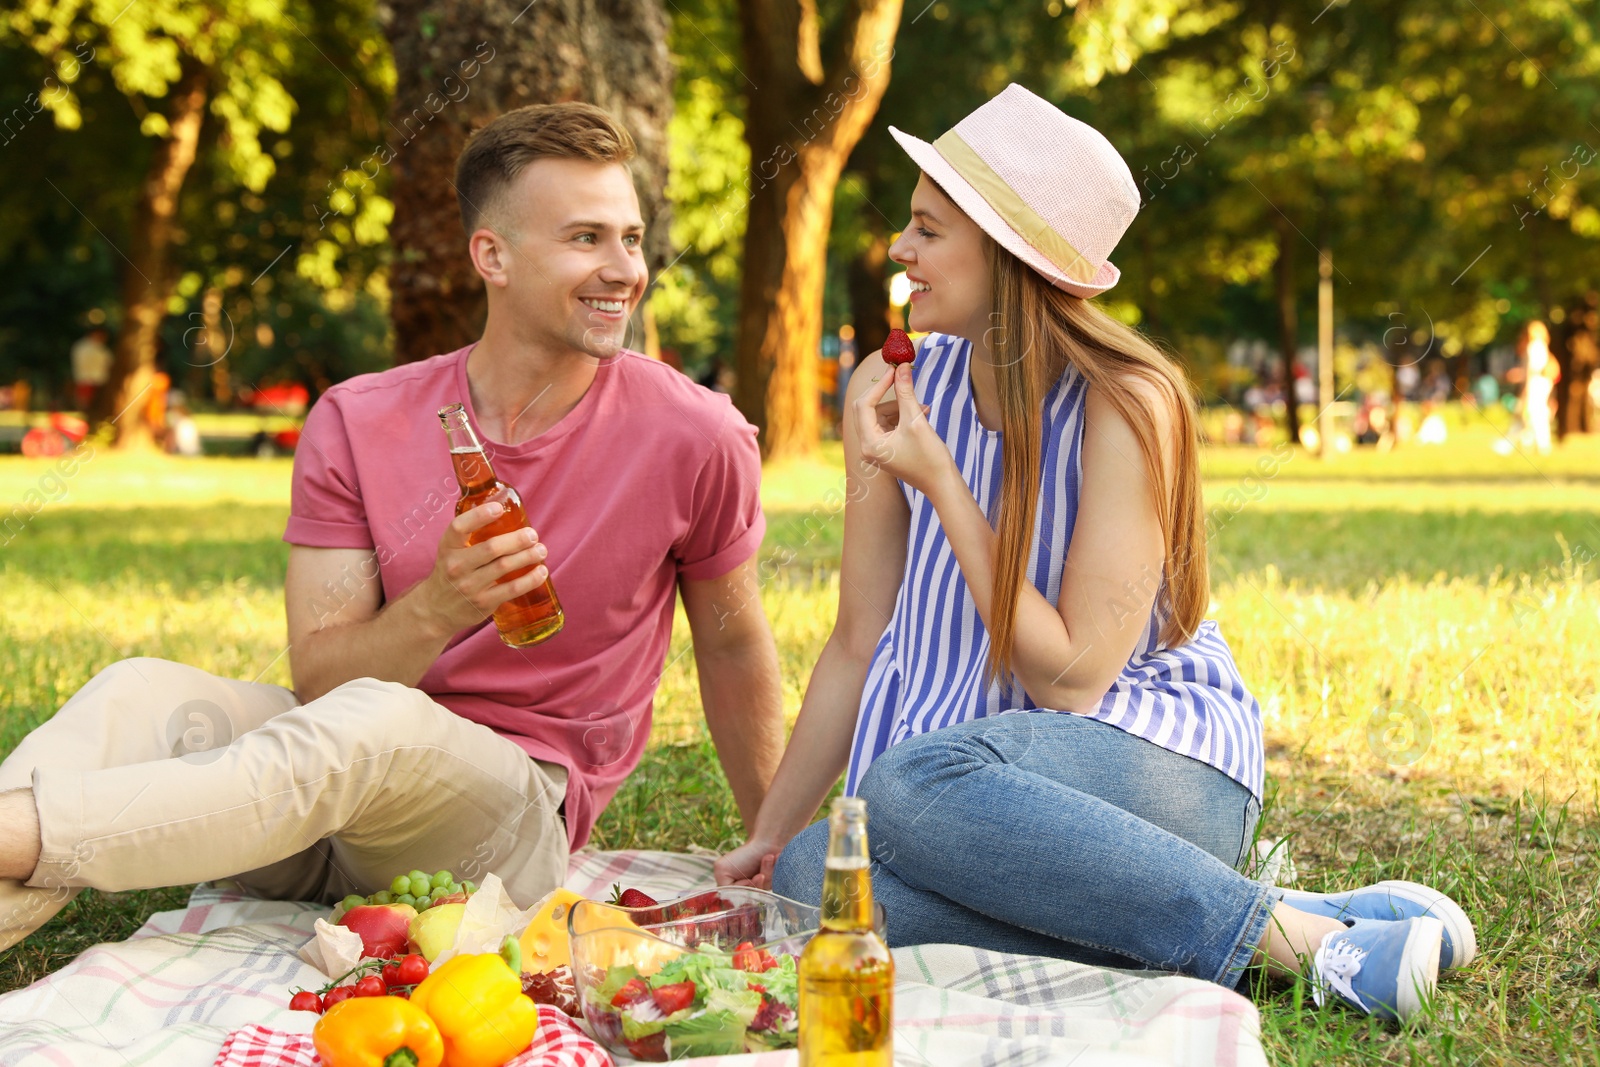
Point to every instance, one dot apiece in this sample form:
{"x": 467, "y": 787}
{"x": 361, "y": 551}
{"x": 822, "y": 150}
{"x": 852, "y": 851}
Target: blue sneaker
{"x": 1397, "y": 900}
{"x": 1384, "y": 968}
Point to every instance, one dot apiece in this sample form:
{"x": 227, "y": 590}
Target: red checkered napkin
{"x": 558, "y": 1043}
{"x": 256, "y": 1046}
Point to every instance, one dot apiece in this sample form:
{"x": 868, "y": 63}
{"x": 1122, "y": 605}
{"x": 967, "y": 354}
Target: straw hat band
{"x": 1011, "y": 207}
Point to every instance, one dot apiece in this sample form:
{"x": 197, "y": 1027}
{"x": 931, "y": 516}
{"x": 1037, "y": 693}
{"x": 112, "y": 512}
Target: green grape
{"x": 442, "y": 879}
{"x": 382, "y": 896}
{"x": 406, "y": 898}
{"x": 354, "y": 900}
{"x": 424, "y": 903}
{"x": 420, "y": 886}
{"x": 418, "y": 874}
{"x": 469, "y": 886}
{"x": 453, "y": 888}
{"x": 401, "y": 884}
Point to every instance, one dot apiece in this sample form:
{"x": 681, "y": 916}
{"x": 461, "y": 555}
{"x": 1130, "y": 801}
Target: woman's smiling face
{"x": 943, "y": 252}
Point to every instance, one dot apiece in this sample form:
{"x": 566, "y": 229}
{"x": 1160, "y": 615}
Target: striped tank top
{"x": 927, "y": 670}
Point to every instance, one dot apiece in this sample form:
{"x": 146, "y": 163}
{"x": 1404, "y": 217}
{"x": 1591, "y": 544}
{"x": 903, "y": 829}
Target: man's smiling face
{"x": 570, "y": 254}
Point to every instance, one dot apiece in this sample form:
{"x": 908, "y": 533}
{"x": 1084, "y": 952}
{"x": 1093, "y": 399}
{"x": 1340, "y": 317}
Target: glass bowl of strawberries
{"x": 708, "y": 974}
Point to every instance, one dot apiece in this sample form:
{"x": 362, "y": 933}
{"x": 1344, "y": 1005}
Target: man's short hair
{"x": 496, "y": 154}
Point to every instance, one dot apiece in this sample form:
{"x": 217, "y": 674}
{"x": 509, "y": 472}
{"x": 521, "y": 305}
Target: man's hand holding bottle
{"x": 465, "y": 585}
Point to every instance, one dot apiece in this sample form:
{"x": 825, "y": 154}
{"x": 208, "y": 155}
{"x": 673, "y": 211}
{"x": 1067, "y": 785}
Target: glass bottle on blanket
{"x": 536, "y": 615}
{"x": 846, "y": 971}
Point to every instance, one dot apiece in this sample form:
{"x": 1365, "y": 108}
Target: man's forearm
{"x": 398, "y": 644}
{"x": 742, "y": 693}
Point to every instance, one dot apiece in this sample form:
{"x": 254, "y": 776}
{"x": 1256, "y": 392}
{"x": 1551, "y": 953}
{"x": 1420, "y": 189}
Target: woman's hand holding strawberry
{"x": 897, "y": 437}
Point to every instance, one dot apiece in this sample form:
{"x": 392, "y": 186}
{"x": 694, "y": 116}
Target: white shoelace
{"x": 1335, "y": 964}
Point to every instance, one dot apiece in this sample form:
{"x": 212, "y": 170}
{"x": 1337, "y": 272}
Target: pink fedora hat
{"x": 1050, "y": 189}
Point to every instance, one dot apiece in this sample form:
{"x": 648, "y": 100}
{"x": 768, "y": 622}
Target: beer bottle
{"x": 536, "y": 615}
{"x": 846, "y": 972}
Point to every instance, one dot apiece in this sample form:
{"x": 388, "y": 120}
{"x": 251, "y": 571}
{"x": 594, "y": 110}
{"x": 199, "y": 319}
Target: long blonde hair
{"x": 1040, "y": 331}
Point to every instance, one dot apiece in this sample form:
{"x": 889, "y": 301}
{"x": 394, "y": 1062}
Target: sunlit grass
{"x": 1454, "y": 586}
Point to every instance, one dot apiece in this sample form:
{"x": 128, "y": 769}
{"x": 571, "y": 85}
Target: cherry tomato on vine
{"x": 413, "y": 969}
{"x": 305, "y": 1000}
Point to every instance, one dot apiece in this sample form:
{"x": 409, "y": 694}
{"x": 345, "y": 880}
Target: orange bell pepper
{"x": 377, "y": 1032}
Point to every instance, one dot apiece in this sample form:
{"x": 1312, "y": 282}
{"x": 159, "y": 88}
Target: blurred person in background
{"x": 1436, "y": 386}
{"x": 183, "y": 436}
{"x": 1540, "y": 377}
{"x": 91, "y": 366}
{"x": 1487, "y": 388}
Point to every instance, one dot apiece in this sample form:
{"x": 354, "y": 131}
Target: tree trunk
{"x": 869, "y": 291}
{"x": 1586, "y": 365}
{"x": 802, "y": 119}
{"x": 219, "y": 342}
{"x": 147, "y": 282}
{"x": 462, "y": 63}
{"x": 1288, "y": 322}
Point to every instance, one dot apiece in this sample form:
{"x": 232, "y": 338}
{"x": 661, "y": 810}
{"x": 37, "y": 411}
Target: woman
{"x": 1056, "y": 750}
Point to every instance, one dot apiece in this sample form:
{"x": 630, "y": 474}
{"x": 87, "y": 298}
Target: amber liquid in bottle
{"x": 846, "y": 972}
{"x": 536, "y": 615}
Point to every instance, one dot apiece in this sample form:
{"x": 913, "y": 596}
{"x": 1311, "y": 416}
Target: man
{"x": 415, "y": 737}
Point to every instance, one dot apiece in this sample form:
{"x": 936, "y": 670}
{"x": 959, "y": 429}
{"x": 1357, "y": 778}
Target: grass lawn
{"x": 1422, "y": 628}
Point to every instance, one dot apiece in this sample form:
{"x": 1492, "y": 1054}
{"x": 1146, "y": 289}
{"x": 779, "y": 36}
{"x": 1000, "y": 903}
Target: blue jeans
{"x": 1050, "y": 834}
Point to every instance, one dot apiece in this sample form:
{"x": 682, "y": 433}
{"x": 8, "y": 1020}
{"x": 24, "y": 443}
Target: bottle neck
{"x": 847, "y": 872}
{"x": 472, "y": 469}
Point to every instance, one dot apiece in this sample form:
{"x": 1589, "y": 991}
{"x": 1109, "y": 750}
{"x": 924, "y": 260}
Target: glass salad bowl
{"x": 713, "y": 973}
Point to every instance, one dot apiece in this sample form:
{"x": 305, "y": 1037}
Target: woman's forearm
{"x": 819, "y": 748}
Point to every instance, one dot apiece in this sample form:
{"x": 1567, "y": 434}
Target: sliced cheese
{"x": 544, "y": 942}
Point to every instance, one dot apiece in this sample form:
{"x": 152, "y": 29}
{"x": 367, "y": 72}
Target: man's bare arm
{"x": 341, "y": 629}
{"x": 740, "y": 686}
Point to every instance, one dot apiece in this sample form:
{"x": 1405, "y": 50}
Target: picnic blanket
{"x": 190, "y": 981}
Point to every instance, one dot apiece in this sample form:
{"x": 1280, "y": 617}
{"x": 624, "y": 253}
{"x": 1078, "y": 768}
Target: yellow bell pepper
{"x": 377, "y": 1032}
{"x": 477, "y": 1003}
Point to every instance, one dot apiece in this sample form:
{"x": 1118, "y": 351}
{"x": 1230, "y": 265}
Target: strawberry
{"x": 631, "y": 898}
{"x": 674, "y": 997}
{"x": 898, "y": 348}
{"x": 704, "y": 904}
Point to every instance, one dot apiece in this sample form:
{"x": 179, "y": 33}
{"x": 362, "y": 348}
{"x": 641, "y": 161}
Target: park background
{"x": 1346, "y": 206}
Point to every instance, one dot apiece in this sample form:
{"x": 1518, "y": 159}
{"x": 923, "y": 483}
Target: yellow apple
{"x": 434, "y": 930}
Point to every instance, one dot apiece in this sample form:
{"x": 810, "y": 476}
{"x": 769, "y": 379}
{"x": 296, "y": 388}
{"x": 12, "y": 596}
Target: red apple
{"x": 383, "y": 927}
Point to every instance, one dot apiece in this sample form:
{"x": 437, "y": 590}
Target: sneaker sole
{"x": 1463, "y": 939}
{"x": 1419, "y": 966}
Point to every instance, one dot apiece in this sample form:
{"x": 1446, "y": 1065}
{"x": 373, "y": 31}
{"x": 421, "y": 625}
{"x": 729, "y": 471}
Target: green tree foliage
{"x": 1441, "y": 149}
{"x": 696, "y": 298}
{"x": 277, "y": 219}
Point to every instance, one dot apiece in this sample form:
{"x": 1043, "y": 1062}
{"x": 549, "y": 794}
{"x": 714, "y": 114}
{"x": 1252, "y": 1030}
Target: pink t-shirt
{"x": 650, "y": 478}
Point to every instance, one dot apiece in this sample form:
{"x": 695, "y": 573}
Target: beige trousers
{"x": 160, "y": 774}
